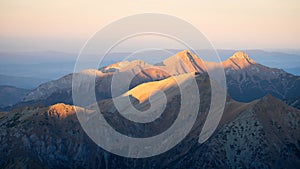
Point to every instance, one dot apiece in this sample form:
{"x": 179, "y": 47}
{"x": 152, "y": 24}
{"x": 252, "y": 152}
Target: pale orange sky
{"x": 66, "y": 25}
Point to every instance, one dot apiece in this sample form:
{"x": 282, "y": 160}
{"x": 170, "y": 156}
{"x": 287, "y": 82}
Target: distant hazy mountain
{"x": 261, "y": 134}
{"x": 294, "y": 70}
{"x": 10, "y": 95}
{"x": 21, "y": 82}
{"x": 247, "y": 80}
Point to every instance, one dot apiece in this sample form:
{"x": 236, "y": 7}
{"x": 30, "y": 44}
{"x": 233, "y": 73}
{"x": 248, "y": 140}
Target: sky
{"x": 38, "y": 25}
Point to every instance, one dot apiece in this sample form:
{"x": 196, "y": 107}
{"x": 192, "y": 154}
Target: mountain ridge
{"x": 247, "y": 80}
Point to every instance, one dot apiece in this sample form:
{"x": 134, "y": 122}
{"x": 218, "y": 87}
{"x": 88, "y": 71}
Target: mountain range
{"x": 261, "y": 134}
{"x": 258, "y": 128}
{"x": 246, "y": 79}
{"x": 28, "y": 83}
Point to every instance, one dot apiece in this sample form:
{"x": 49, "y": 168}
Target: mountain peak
{"x": 184, "y": 62}
{"x": 186, "y": 54}
{"x": 239, "y": 60}
{"x": 186, "y": 51}
{"x": 241, "y": 55}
